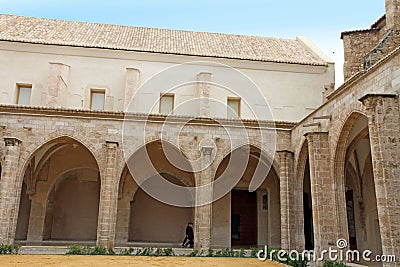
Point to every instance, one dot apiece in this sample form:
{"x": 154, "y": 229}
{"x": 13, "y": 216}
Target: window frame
{"x": 234, "y": 99}
{"x": 173, "y": 102}
{"x": 97, "y": 91}
{"x": 23, "y": 85}
{"x": 266, "y": 195}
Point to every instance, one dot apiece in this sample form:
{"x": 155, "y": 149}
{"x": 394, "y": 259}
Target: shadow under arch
{"x": 339, "y": 170}
{"x": 251, "y": 211}
{"x": 152, "y": 221}
{"x": 149, "y": 161}
{"x": 54, "y": 138}
{"x": 245, "y": 152}
{"x": 73, "y": 206}
{"x": 354, "y": 179}
{"x": 303, "y": 200}
{"x": 138, "y": 210}
{"x": 48, "y": 164}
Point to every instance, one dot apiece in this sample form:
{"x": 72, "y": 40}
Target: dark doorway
{"x": 307, "y": 208}
{"x": 351, "y": 219}
{"x": 244, "y": 218}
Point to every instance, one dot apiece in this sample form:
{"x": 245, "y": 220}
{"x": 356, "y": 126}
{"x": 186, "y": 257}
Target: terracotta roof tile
{"x": 85, "y": 34}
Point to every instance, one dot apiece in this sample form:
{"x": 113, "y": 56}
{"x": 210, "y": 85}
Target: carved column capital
{"x": 310, "y": 136}
{"x": 370, "y": 101}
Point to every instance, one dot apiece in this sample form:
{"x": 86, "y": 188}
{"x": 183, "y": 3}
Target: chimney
{"x": 392, "y": 13}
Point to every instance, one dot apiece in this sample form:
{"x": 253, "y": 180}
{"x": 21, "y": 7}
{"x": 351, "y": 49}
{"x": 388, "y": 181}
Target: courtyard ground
{"x": 137, "y": 261}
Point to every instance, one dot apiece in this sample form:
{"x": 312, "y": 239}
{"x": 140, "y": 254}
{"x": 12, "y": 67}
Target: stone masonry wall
{"x": 101, "y": 134}
{"x": 333, "y": 118}
{"x": 356, "y": 45}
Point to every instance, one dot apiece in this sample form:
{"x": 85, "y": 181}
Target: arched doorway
{"x": 253, "y": 217}
{"x": 360, "y": 206}
{"x": 141, "y": 218}
{"x": 60, "y": 194}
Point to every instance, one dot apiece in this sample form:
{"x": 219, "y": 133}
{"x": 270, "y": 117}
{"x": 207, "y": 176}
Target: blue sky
{"x": 320, "y": 21}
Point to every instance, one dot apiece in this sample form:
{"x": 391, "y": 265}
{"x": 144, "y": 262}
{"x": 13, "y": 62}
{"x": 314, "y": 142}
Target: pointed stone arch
{"x": 68, "y": 153}
{"x": 130, "y": 226}
{"x": 362, "y": 231}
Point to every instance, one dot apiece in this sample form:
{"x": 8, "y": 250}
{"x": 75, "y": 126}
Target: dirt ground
{"x": 122, "y": 261}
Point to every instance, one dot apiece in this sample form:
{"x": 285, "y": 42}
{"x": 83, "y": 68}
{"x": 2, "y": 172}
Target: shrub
{"x": 147, "y": 251}
{"x": 285, "y": 259}
{"x": 210, "y": 253}
{"x": 253, "y": 252}
{"x": 158, "y": 252}
{"x": 9, "y": 249}
{"x": 128, "y": 252}
{"x": 242, "y": 253}
{"x": 87, "y": 250}
{"x": 98, "y": 250}
{"x": 168, "y": 252}
{"x": 334, "y": 264}
{"x": 193, "y": 253}
{"x": 75, "y": 250}
{"x": 110, "y": 251}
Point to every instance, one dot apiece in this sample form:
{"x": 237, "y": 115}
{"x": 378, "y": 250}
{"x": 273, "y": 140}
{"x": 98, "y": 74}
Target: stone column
{"x": 108, "y": 198}
{"x": 10, "y": 190}
{"x": 57, "y": 85}
{"x": 204, "y": 86}
{"x": 287, "y": 201}
{"x": 322, "y": 191}
{"x": 384, "y": 134}
{"x": 37, "y": 216}
{"x": 131, "y": 85}
{"x": 203, "y": 214}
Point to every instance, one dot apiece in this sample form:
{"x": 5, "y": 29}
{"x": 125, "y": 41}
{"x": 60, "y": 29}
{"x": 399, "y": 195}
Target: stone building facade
{"x": 71, "y": 174}
{"x": 364, "y": 48}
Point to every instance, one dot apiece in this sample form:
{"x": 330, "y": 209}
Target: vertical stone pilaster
{"x": 383, "y": 115}
{"x": 322, "y": 191}
{"x": 57, "y": 84}
{"x": 36, "y": 226}
{"x": 204, "y": 193}
{"x": 10, "y": 190}
{"x": 392, "y": 13}
{"x": 204, "y": 86}
{"x": 286, "y": 199}
{"x": 108, "y": 199}
{"x": 131, "y": 85}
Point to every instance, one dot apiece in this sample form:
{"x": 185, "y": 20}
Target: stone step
{"x": 43, "y": 250}
{"x": 62, "y": 250}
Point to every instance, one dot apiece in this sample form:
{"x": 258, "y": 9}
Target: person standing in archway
{"x": 189, "y": 236}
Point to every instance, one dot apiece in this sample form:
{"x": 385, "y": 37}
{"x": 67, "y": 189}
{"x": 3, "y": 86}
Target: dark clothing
{"x": 189, "y": 236}
{"x": 189, "y": 232}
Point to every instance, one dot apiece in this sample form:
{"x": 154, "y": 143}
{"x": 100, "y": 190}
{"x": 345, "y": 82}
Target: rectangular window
{"x": 24, "y": 92}
{"x": 97, "y": 98}
{"x": 233, "y": 107}
{"x": 166, "y": 103}
{"x": 264, "y": 202}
